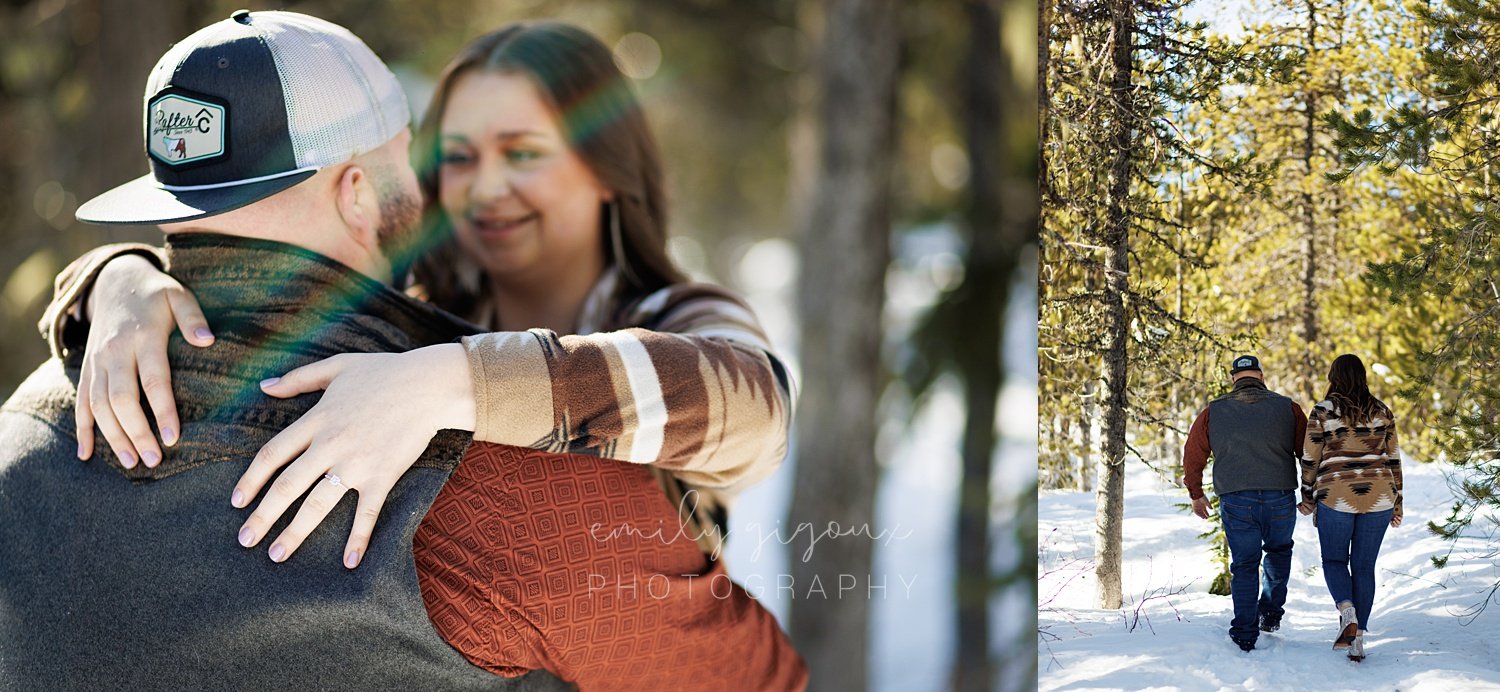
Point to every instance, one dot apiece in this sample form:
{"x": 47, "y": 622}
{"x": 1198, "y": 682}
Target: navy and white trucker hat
{"x": 250, "y": 106}
{"x": 1244, "y": 363}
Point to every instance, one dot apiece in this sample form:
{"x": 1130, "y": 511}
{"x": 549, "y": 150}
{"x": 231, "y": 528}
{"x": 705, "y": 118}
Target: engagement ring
{"x": 334, "y": 480}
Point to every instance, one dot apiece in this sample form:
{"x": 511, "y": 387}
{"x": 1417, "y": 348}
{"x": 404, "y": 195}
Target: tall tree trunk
{"x": 841, "y": 303}
{"x": 1110, "y": 509}
{"x": 1310, "y": 349}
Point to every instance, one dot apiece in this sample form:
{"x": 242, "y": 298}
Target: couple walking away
{"x": 1350, "y": 482}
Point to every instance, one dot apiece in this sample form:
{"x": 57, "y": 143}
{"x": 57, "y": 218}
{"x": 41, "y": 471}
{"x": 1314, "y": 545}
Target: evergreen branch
{"x": 1157, "y": 311}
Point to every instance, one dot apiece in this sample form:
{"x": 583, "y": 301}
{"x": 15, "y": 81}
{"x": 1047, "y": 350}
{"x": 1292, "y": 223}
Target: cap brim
{"x": 144, "y": 201}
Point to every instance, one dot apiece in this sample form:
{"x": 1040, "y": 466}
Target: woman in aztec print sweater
{"x": 1351, "y": 478}
{"x": 545, "y": 226}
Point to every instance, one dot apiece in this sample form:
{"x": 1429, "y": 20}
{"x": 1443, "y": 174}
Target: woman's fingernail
{"x": 270, "y": 382}
{"x": 81, "y": 457}
{"x": 127, "y": 459}
{"x": 237, "y": 498}
{"x": 203, "y": 333}
{"x": 152, "y": 459}
{"x": 352, "y": 559}
{"x": 247, "y": 537}
{"x": 278, "y": 552}
{"x": 168, "y": 436}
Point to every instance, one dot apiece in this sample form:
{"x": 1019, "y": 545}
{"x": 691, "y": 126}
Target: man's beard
{"x": 400, "y": 216}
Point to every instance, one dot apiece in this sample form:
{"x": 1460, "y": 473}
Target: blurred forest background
{"x": 863, "y": 170}
{"x": 1292, "y": 178}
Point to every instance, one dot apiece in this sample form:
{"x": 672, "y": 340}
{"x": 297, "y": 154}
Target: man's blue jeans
{"x": 1350, "y": 544}
{"x": 1258, "y": 525}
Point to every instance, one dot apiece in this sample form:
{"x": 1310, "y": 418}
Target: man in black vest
{"x": 1255, "y": 437}
{"x": 291, "y": 135}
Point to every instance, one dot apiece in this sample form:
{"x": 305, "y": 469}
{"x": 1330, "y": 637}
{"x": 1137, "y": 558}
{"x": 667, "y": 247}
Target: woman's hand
{"x": 1396, "y": 518}
{"x": 133, "y": 308}
{"x": 1305, "y": 507}
{"x": 379, "y": 412}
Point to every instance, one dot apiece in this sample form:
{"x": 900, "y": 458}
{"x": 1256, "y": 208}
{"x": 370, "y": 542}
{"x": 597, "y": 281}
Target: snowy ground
{"x": 1418, "y": 640}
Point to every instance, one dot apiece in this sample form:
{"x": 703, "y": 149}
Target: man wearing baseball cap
{"x": 249, "y": 107}
{"x": 1255, "y": 438}
{"x": 277, "y": 144}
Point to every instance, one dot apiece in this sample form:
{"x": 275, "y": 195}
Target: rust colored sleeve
{"x": 1301, "y": 427}
{"x": 1195, "y": 456}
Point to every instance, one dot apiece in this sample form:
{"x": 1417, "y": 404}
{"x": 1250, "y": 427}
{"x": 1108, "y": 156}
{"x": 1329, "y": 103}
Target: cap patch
{"x": 182, "y": 129}
{"x": 1243, "y": 363}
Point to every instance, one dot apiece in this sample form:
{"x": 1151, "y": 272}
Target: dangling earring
{"x": 617, "y": 242}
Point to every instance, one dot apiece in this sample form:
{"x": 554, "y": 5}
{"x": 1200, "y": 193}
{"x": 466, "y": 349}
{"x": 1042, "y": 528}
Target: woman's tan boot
{"x": 1348, "y": 626}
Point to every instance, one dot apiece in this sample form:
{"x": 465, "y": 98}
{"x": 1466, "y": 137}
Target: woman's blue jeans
{"x": 1350, "y": 544}
{"x": 1258, "y": 527}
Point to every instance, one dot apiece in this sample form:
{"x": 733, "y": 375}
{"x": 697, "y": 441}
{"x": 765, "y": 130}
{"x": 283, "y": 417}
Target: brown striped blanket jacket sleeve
{"x": 698, "y": 393}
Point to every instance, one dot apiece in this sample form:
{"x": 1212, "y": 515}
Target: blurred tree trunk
{"x": 1000, "y": 213}
{"x": 802, "y": 131}
{"x": 132, "y": 36}
{"x": 70, "y": 127}
{"x": 846, "y": 245}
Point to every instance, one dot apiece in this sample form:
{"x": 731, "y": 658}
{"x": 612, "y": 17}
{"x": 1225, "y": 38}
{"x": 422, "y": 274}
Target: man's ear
{"x": 358, "y": 206}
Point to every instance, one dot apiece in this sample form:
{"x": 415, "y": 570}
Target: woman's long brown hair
{"x": 1350, "y": 392}
{"x": 602, "y": 122}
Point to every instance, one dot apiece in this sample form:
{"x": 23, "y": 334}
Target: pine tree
{"x": 1447, "y": 135}
{"x": 1119, "y": 73}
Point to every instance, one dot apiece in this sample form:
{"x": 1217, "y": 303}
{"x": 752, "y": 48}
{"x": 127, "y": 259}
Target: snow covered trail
{"x": 1417, "y": 640}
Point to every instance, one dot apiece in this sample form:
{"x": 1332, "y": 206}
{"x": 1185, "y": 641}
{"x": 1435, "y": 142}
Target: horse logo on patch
{"x": 178, "y": 123}
{"x": 177, "y": 146}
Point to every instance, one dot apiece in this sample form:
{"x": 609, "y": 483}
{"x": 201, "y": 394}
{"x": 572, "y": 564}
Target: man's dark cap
{"x": 248, "y": 107}
{"x": 1244, "y": 363}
